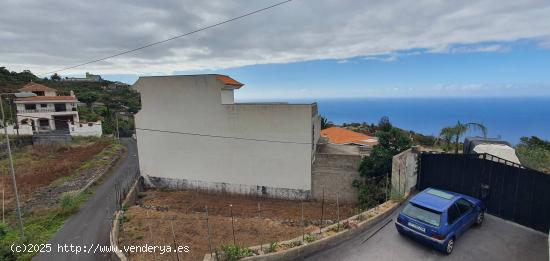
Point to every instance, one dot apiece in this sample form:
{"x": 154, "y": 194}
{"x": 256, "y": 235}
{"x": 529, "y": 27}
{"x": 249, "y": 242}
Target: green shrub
{"x": 309, "y": 238}
{"x": 70, "y": 201}
{"x": 236, "y": 252}
{"x": 273, "y": 246}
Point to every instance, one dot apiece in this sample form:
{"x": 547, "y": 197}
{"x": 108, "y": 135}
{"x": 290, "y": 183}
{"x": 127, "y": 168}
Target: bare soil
{"x": 37, "y": 167}
{"x": 150, "y": 222}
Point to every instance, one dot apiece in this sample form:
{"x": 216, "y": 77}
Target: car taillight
{"x": 438, "y": 237}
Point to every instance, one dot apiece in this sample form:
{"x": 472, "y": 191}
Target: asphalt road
{"x": 496, "y": 239}
{"x": 91, "y": 225}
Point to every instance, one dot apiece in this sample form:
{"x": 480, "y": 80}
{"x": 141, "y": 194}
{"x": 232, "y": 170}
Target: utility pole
{"x": 18, "y": 207}
{"x": 117, "y": 131}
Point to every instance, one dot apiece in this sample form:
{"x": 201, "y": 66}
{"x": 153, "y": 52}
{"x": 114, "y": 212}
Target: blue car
{"x": 437, "y": 217}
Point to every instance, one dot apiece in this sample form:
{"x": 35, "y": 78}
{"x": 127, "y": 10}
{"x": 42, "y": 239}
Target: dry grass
{"x": 39, "y": 166}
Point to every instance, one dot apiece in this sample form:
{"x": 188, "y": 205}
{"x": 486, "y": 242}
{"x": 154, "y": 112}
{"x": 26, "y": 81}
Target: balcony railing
{"x": 46, "y": 110}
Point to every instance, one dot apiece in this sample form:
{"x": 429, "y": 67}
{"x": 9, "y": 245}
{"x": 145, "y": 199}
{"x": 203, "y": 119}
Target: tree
{"x": 55, "y": 77}
{"x": 534, "y": 152}
{"x": 89, "y": 98}
{"x": 376, "y": 168}
{"x": 446, "y": 134}
{"x": 457, "y": 131}
{"x": 325, "y": 123}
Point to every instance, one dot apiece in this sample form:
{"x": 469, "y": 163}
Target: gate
{"x": 509, "y": 191}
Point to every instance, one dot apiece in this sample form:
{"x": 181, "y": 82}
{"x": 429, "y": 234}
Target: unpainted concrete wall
{"x": 335, "y": 174}
{"x": 404, "y": 171}
{"x": 227, "y": 188}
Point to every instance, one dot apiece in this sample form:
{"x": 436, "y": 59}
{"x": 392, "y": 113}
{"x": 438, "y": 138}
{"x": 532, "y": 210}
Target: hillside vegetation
{"x": 102, "y": 98}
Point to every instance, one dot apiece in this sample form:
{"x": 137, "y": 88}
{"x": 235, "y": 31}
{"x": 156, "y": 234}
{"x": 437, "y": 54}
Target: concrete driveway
{"x": 496, "y": 239}
{"x": 90, "y": 227}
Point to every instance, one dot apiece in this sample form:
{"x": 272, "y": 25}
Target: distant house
{"x": 354, "y": 141}
{"x": 492, "y": 146}
{"x": 89, "y": 78}
{"x": 191, "y": 134}
{"x": 49, "y": 112}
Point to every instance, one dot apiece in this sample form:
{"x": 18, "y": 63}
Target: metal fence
{"x": 509, "y": 191}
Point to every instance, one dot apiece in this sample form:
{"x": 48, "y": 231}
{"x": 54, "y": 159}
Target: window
{"x": 464, "y": 206}
{"x": 453, "y": 214}
{"x": 30, "y": 106}
{"x": 423, "y": 214}
{"x": 43, "y": 105}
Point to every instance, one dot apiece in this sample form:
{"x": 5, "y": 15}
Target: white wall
{"x": 227, "y": 97}
{"x": 24, "y": 129}
{"x": 86, "y": 129}
{"x": 193, "y": 104}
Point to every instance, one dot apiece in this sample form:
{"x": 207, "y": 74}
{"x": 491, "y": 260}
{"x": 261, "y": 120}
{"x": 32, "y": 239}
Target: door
{"x": 61, "y": 122}
{"x": 453, "y": 219}
{"x": 467, "y": 214}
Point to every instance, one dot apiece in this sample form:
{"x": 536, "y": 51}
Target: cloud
{"x": 471, "y": 48}
{"x": 47, "y": 35}
{"x": 383, "y": 58}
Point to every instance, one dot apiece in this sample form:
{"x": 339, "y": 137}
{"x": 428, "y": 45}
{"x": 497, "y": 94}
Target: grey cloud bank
{"x": 46, "y": 35}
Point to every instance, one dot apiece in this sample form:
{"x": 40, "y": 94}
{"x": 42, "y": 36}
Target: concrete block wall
{"x": 335, "y": 173}
{"x": 405, "y": 171}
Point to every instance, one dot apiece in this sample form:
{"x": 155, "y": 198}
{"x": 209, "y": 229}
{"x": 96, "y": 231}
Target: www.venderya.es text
{"x": 96, "y": 248}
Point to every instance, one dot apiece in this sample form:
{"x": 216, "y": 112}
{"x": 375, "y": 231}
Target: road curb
{"x": 113, "y": 234}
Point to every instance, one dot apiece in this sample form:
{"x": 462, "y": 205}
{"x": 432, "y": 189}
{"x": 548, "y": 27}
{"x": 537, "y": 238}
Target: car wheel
{"x": 450, "y": 246}
{"x": 479, "y": 218}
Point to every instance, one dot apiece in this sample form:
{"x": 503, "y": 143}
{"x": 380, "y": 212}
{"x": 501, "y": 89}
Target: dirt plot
{"x": 151, "y": 222}
{"x": 38, "y": 166}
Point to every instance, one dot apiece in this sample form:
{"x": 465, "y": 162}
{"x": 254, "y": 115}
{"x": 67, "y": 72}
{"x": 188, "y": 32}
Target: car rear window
{"x": 423, "y": 214}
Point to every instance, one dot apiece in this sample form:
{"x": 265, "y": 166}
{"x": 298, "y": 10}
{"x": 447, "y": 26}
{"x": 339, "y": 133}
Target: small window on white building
{"x": 43, "y": 105}
{"x": 30, "y": 106}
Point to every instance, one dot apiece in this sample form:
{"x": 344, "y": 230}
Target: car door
{"x": 467, "y": 214}
{"x": 453, "y": 219}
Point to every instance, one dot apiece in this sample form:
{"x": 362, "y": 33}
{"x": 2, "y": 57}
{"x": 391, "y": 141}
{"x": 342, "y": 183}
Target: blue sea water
{"x": 509, "y": 118}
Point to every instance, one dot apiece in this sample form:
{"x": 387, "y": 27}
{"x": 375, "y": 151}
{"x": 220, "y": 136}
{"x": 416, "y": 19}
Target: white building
{"x": 48, "y": 112}
{"x": 191, "y": 134}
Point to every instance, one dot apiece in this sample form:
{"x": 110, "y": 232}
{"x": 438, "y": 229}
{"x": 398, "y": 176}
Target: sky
{"x": 301, "y": 49}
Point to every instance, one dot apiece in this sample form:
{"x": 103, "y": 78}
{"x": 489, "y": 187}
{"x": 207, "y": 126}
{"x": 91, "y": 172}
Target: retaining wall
{"x": 335, "y": 174}
{"x": 300, "y": 252}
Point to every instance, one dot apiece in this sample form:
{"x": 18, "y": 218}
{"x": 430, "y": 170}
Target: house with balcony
{"x": 191, "y": 134}
{"x": 48, "y": 112}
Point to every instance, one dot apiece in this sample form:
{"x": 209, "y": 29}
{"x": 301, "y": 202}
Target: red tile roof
{"x": 342, "y": 136}
{"x": 229, "y": 81}
{"x": 35, "y": 87}
{"x": 48, "y": 98}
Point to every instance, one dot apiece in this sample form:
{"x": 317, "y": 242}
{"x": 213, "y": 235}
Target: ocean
{"x": 507, "y": 118}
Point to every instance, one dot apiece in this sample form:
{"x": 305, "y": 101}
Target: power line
{"x": 170, "y": 39}
{"x": 225, "y": 137}
{"x": 182, "y": 133}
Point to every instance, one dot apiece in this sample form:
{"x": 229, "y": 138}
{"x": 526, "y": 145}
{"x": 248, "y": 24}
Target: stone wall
{"x": 404, "y": 171}
{"x": 335, "y": 174}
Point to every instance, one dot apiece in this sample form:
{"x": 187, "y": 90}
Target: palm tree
{"x": 459, "y": 130}
{"x": 325, "y": 123}
{"x": 447, "y": 134}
